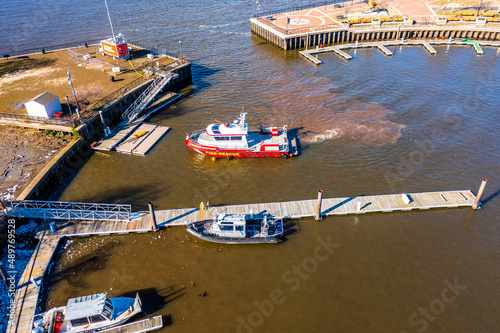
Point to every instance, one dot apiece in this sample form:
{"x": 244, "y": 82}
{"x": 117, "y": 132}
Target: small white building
{"x": 43, "y": 105}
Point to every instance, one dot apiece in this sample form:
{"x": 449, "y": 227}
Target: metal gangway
{"x": 61, "y": 210}
{"x": 147, "y": 96}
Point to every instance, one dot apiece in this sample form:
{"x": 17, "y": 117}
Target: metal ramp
{"x": 147, "y": 96}
{"x": 60, "y": 210}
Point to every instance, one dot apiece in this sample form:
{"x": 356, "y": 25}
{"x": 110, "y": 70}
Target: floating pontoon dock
{"x": 333, "y": 206}
{"x": 142, "y": 139}
{"x": 383, "y": 47}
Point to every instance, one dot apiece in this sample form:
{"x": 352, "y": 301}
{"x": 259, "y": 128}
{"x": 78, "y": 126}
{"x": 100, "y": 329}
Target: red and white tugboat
{"x": 235, "y": 140}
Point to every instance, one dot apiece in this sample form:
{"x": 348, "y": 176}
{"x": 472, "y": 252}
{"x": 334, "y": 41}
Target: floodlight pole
{"x": 74, "y": 95}
{"x": 453, "y": 8}
{"x": 70, "y": 112}
{"x": 111, "y": 24}
{"x": 180, "y": 47}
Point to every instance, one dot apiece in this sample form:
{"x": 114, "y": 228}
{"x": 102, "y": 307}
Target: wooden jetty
{"x": 333, "y": 206}
{"x": 384, "y": 50}
{"x": 309, "y": 57}
{"x": 429, "y": 48}
{"x": 142, "y": 139}
{"x": 26, "y": 297}
{"x": 382, "y": 46}
{"x": 145, "y": 325}
{"x": 27, "y": 293}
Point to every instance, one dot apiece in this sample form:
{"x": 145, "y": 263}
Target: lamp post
{"x": 70, "y": 112}
{"x": 180, "y": 51}
{"x": 479, "y": 8}
{"x": 74, "y": 95}
{"x": 453, "y": 8}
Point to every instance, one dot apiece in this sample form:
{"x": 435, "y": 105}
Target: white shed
{"x": 43, "y": 105}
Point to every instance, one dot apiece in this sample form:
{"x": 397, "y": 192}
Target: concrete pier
{"x": 329, "y": 35}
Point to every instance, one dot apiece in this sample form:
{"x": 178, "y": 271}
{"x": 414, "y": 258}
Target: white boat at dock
{"x": 92, "y": 313}
{"x": 238, "y": 229}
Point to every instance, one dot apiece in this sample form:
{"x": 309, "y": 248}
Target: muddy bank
{"x": 23, "y": 153}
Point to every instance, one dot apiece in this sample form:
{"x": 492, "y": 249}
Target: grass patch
{"x": 12, "y": 66}
{"x": 48, "y": 72}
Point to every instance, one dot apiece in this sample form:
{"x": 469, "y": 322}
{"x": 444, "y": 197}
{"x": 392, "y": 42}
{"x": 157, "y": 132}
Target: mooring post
{"x": 318, "y": 210}
{"x": 479, "y": 194}
{"x": 3, "y": 274}
{"x": 32, "y": 279}
{"x": 152, "y": 215}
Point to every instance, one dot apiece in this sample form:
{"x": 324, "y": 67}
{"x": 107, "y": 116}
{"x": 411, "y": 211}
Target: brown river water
{"x": 374, "y": 125}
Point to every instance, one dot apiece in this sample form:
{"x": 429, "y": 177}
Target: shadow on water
{"x": 491, "y": 197}
{"x": 200, "y": 74}
{"x": 154, "y": 300}
{"x": 290, "y": 228}
{"x": 87, "y": 263}
{"x": 294, "y": 133}
{"x": 128, "y": 194}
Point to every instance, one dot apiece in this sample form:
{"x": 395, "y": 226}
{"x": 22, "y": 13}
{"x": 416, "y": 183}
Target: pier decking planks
{"x": 309, "y": 57}
{"x": 26, "y": 297}
{"x": 429, "y": 48}
{"x": 145, "y": 325}
{"x": 27, "y": 293}
{"x": 141, "y": 145}
{"x": 332, "y": 206}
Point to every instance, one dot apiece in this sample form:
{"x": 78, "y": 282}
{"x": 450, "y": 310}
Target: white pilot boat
{"x": 87, "y": 314}
{"x": 236, "y": 140}
{"x": 238, "y": 229}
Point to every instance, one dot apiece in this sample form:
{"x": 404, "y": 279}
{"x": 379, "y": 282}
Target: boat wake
{"x": 318, "y": 113}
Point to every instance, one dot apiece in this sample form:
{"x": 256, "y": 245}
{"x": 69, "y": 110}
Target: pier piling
{"x": 152, "y": 214}
{"x": 479, "y": 194}
{"x": 318, "y": 209}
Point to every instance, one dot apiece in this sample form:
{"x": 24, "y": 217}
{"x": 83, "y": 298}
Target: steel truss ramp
{"x": 61, "y": 210}
{"x": 147, "y": 96}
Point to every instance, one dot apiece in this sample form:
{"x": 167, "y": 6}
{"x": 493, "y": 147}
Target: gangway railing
{"x": 147, "y": 96}
{"x": 61, "y": 210}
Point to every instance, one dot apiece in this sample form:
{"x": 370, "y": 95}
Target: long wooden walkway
{"x": 26, "y": 298}
{"x": 333, "y": 206}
